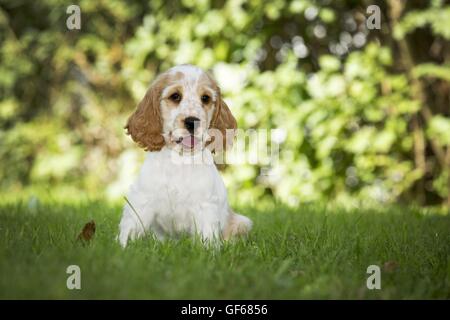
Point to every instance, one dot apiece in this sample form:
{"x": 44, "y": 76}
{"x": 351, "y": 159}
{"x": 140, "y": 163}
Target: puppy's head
{"x": 184, "y": 110}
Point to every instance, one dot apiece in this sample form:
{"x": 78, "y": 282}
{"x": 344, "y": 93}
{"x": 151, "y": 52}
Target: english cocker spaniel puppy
{"x": 181, "y": 120}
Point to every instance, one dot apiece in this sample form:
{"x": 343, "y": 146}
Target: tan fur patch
{"x": 234, "y": 228}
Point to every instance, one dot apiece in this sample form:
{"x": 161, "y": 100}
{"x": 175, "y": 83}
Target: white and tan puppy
{"x": 181, "y": 119}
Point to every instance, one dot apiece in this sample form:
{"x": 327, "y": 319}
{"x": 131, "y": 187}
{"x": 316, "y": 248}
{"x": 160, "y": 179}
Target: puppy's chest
{"x": 185, "y": 184}
{"x": 184, "y": 194}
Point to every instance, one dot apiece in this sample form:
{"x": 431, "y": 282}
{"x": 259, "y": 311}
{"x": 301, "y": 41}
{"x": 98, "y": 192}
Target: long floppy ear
{"x": 224, "y": 121}
{"x": 145, "y": 124}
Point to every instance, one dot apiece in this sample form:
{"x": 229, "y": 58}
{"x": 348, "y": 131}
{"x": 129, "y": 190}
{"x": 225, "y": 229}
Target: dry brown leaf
{"x": 390, "y": 266}
{"x": 88, "y": 231}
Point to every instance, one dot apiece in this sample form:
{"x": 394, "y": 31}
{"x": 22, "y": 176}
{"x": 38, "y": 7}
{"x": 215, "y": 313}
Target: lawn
{"x": 309, "y": 252}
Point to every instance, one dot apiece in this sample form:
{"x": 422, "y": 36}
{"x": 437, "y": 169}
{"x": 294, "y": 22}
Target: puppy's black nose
{"x": 191, "y": 123}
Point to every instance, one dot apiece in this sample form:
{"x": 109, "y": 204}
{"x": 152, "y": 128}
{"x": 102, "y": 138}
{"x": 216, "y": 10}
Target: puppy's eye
{"x": 205, "y": 98}
{"x": 175, "y": 97}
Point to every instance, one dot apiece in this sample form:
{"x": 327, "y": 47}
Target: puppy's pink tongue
{"x": 189, "y": 141}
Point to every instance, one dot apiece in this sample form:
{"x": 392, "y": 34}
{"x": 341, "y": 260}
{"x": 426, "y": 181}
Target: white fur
{"x": 176, "y": 194}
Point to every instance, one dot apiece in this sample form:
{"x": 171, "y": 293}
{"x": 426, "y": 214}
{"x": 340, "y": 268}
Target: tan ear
{"x": 145, "y": 124}
{"x": 224, "y": 121}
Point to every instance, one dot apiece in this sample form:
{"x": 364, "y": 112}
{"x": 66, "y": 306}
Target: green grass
{"x": 310, "y": 252}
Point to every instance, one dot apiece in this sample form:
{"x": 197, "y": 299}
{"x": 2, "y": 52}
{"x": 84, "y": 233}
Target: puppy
{"x": 179, "y": 122}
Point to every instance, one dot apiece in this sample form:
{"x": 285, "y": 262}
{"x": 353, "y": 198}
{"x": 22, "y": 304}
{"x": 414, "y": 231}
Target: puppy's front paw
{"x": 128, "y": 229}
{"x": 122, "y": 238}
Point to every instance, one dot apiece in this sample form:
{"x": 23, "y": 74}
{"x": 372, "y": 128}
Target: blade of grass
{"x": 135, "y": 212}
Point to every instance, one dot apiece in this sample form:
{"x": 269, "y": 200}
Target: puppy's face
{"x": 187, "y": 107}
{"x": 179, "y": 109}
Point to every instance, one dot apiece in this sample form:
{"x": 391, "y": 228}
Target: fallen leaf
{"x": 88, "y": 231}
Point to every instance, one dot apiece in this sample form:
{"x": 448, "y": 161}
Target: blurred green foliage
{"x": 366, "y": 112}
